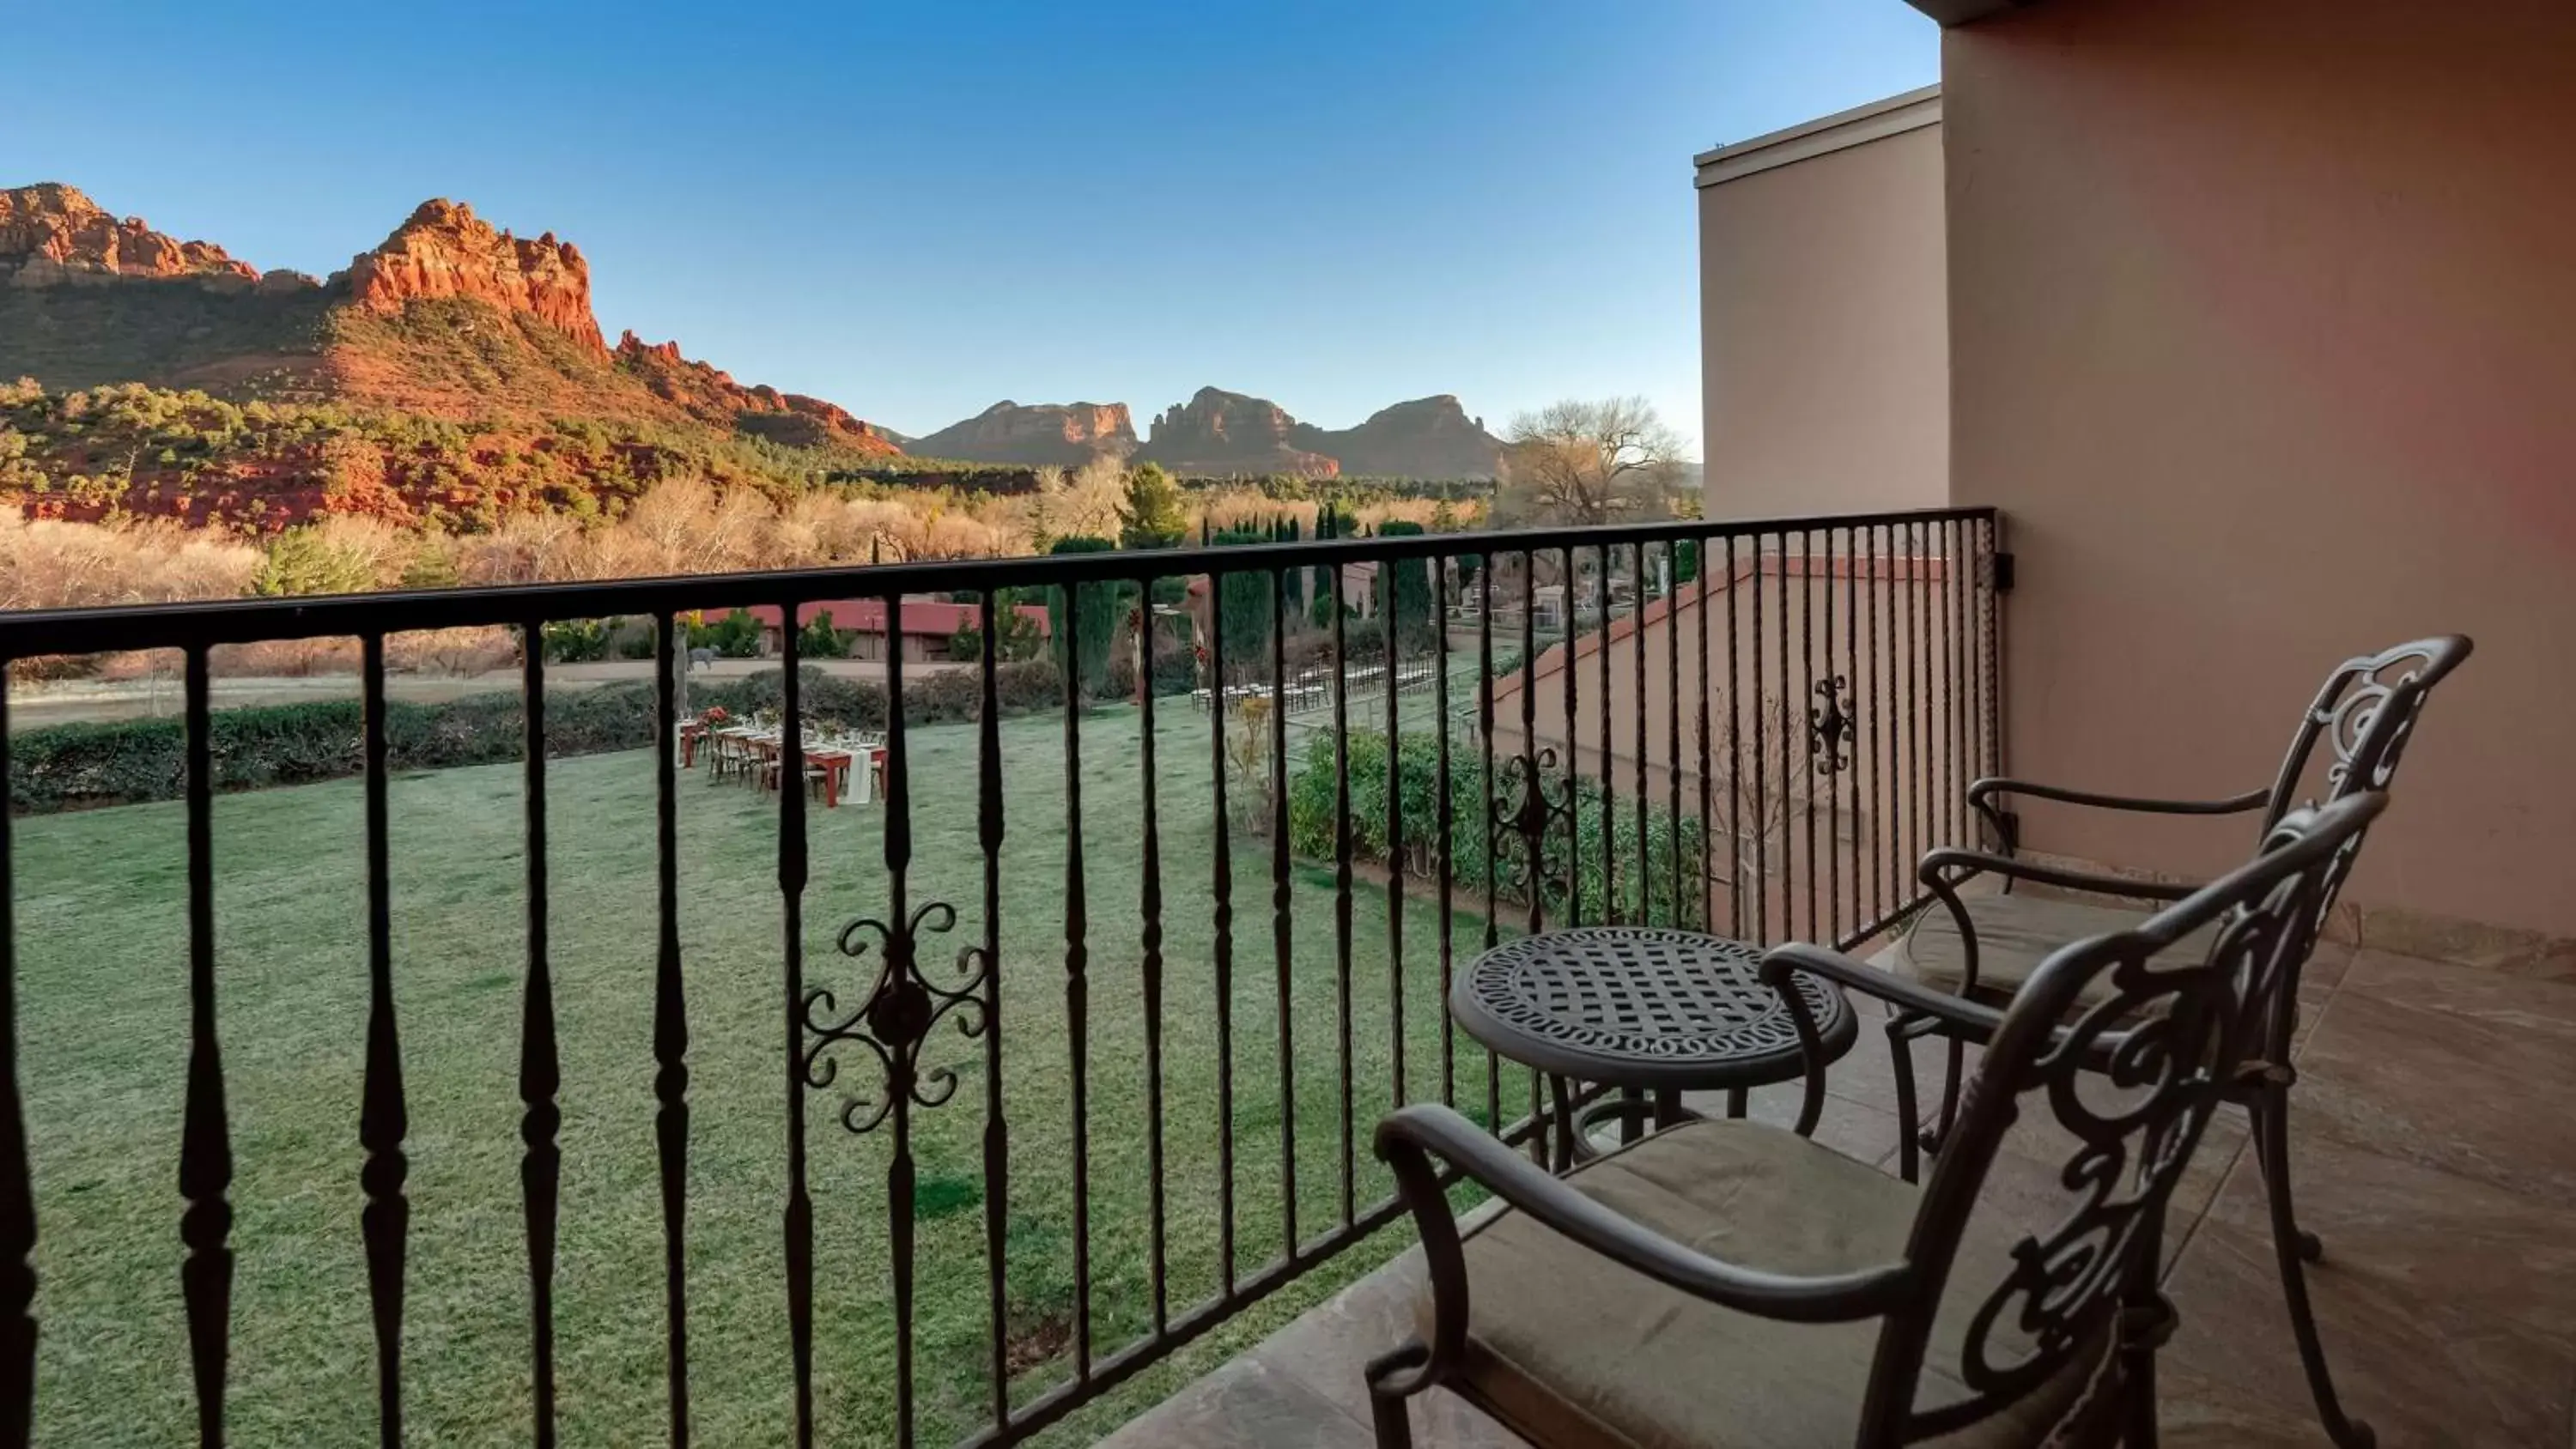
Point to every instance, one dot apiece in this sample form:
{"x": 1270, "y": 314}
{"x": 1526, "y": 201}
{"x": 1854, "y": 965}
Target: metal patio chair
{"x": 1985, "y": 946}
{"x": 1724, "y": 1282}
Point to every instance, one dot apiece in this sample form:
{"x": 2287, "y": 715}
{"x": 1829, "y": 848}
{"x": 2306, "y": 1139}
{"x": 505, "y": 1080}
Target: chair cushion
{"x": 1571, "y": 1349}
{"x": 2014, "y": 934}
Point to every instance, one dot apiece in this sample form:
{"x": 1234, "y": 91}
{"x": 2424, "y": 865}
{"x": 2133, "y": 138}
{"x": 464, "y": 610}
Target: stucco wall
{"x": 2263, "y": 334}
{"x": 1824, "y": 350}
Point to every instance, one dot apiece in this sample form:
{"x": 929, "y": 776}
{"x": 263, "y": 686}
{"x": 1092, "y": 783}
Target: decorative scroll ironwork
{"x": 1533, "y": 812}
{"x": 2134, "y": 1080}
{"x": 1830, "y": 727}
{"x": 896, "y": 1016}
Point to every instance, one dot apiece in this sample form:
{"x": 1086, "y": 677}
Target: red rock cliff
{"x": 445, "y": 250}
{"x": 710, "y": 394}
{"x": 1218, "y": 432}
{"x": 1066, "y": 434}
{"x": 52, "y": 235}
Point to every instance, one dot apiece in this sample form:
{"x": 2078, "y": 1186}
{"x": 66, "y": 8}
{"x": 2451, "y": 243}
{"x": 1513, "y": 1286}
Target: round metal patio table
{"x": 1650, "y": 1011}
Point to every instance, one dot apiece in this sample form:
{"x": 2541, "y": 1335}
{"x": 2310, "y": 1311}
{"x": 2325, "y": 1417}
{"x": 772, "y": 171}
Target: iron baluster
{"x": 799, "y": 1219}
{"x": 1645, "y": 869}
{"x": 1673, "y": 728}
{"x": 1388, "y": 626}
{"x": 671, "y": 1026}
{"x": 1281, "y": 935}
{"x": 540, "y": 1072}
{"x": 1735, "y": 743}
{"x": 997, "y": 1133}
{"x": 383, "y": 1118}
{"x": 1761, "y": 801}
{"x": 205, "y": 1137}
{"x": 1150, "y": 903}
{"x": 1342, "y": 889}
{"x": 1532, "y": 819}
{"x": 1221, "y": 882}
{"x": 1485, "y": 795}
{"x": 1807, "y": 674}
{"x": 1442, "y": 824}
{"x": 1609, "y": 913}
{"x": 1077, "y": 985}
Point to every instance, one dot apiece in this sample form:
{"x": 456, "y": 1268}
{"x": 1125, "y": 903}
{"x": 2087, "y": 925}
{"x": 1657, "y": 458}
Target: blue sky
{"x": 917, "y": 209}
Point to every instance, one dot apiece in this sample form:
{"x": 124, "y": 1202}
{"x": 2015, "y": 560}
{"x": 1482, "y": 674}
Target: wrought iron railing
{"x": 1754, "y": 729}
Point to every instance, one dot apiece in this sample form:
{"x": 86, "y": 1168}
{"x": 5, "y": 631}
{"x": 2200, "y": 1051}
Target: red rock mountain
{"x": 710, "y": 393}
{"x": 1061, "y": 434}
{"x": 52, "y": 235}
{"x": 1429, "y": 437}
{"x": 448, "y": 317}
{"x": 1218, "y": 432}
{"x": 445, "y": 250}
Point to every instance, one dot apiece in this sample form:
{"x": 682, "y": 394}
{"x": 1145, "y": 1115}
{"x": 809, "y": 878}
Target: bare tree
{"x": 1578, "y": 462}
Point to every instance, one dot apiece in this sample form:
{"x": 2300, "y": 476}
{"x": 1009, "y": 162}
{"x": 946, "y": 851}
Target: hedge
{"x": 124, "y": 762}
{"x": 1311, "y": 829}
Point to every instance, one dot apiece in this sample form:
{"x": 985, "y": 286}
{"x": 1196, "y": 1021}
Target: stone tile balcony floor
{"x": 2434, "y": 1132}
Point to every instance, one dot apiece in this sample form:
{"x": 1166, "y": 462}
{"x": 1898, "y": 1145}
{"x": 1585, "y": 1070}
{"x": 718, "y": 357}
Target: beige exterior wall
{"x": 1823, "y": 334}
{"x": 2263, "y": 336}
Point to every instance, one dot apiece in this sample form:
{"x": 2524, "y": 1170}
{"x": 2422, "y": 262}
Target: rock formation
{"x": 1429, "y": 437}
{"x": 1218, "y": 432}
{"x": 1061, "y": 434}
{"x": 445, "y": 250}
{"x": 52, "y": 235}
{"x": 711, "y": 395}
{"x": 87, "y": 299}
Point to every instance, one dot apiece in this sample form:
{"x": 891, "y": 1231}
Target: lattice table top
{"x": 1642, "y": 1006}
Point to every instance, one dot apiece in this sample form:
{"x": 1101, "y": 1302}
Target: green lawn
{"x": 103, "y": 1020}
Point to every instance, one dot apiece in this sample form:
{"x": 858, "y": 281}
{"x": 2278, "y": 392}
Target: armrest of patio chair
{"x": 1984, "y": 797}
{"x": 1410, "y": 1138}
{"x": 1942, "y": 870}
{"x": 1993, "y": 785}
{"x": 1974, "y": 1020}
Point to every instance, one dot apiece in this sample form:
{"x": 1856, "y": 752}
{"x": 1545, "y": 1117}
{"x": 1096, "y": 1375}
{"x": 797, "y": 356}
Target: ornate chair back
{"x": 2133, "y": 1081}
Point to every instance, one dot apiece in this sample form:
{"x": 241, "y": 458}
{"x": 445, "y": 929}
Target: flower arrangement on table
{"x": 715, "y": 717}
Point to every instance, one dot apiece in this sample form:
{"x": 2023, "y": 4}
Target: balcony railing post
{"x": 540, "y": 1074}
{"x": 797, "y": 1224}
{"x": 384, "y": 1119}
{"x": 1150, "y": 908}
{"x": 1221, "y": 887}
{"x": 205, "y": 1138}
{"x": 1281, "y": 931}
{"x": 989, "y": 823}
{"x": 1342, "y": 891}
{"x": 670, "y": 1023}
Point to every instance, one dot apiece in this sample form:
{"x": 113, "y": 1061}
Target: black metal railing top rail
{"x": 1753, "y": 728}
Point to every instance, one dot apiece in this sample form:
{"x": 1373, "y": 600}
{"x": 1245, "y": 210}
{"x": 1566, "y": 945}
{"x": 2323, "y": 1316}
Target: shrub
{"x": 124, "y": 762}
{"x": 1635, "y": 896}
{"x": 65, "y": 767}
{"x": 576, "y": 641}
{"x": 819, "y": 640}
{"x": 735, "y": 636}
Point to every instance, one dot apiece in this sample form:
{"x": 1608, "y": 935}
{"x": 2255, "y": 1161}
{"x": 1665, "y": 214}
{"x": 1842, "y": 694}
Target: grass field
{"x": 104, "y": 1015}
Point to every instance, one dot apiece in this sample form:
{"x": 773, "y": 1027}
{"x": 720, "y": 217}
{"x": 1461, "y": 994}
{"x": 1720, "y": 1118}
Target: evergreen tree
{"x": 1412, "y": 576}
{"x": 1094, "y": 622}
{"x": 1152, "y": 516}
